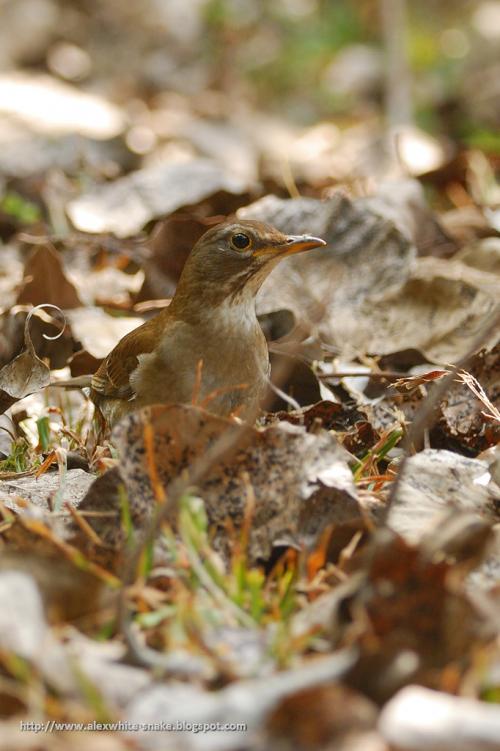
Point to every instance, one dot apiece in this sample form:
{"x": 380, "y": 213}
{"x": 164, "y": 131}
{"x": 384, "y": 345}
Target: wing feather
{"x": 112, "y": 379}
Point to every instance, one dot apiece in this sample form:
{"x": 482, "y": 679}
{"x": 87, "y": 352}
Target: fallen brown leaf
{"x": 45, "y": 281}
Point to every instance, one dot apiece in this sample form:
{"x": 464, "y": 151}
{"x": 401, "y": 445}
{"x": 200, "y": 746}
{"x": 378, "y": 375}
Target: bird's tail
{"x": 79, "y": 382}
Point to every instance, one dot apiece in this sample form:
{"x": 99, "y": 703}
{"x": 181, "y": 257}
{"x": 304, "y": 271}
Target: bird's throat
{"x": 234, "y": 316}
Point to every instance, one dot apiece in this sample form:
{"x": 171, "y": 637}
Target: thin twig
{"x": 398, "y": 102}
{"x": 359, "y": 374}
{"x": 84, "y": 526}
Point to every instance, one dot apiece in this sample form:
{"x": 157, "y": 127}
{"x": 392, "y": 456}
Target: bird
{"x": 207, "y": 346}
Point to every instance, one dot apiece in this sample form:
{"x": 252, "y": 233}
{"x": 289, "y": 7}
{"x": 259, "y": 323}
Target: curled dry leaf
{"x": 468, "y": 417}
{"x": 26, "y": 373}
{"x": 43, "y": 328}
{"x": 297, "y": 482}
{"x": 411, "y": 383}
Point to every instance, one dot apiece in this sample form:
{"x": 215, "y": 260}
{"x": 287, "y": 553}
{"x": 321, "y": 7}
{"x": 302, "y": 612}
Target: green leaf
{"x": 43, "y": 428}
{"x": 21, "y": 209}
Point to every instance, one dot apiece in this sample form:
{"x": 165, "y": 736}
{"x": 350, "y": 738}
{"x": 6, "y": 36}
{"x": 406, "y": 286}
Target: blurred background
{"x": 127, "y": 128}
{"x": 121, "y": 122}
{"x": 290, "y": 90}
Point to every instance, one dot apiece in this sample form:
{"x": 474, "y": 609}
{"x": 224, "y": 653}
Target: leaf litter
{"x": 26, "y": 374}
{"x": 280, "y": 580}
{"x": 292, "y": 486}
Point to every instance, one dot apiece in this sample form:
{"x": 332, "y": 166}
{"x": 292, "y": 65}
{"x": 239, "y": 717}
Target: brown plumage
{"x": 207, "y": 345}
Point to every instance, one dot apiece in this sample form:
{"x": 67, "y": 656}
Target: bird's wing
{"x": 112, "y": 379}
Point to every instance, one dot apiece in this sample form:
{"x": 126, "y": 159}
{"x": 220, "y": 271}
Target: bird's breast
{"x": 221, "y": 362}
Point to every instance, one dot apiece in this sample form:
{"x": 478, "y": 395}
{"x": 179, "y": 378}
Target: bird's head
{"x": 234, "y": 258}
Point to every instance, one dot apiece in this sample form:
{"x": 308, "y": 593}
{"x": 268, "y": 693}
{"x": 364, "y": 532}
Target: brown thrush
{"x": 207, "y": 345}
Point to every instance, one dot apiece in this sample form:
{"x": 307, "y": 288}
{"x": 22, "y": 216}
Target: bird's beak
{"x": 298, "y": 243}
{"x": 293, "y": 244}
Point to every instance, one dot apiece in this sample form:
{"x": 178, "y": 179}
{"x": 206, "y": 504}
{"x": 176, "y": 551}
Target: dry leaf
{"x": 328, "y": 282}
{"x": 24, "y": 153}
{"x": 358, "y": 434}
{"x": 48, "y": 105}
{"x": 170, "y": 243}
{"x": 435, "y": 481}
{"x": 414, "y": 622}
{"x": 45, "y": 281}
{"x": 294, "y": 378}
{"x": 367, "y": 292}
{"x": 24, "y": 630}
{"x": 226, "y": 141}
{"x": 316, "y": 717}
{"x": 82, "y": 363}
{"x": 67, "y": 592}
{"x": 105, "y": 665}
{"x": 403, "y": 203}
{"x": 126, "y": 205}
{"x": 97, "y": 331}
{"x": 300, "y": 481}
{"x": 247, "y": 702}
{"x": 39, "y": 490}
{"x": 418, "y": 719}
{"x": 26, "y": 373}
{"x": 22, "y": 621}
{"x": 44, "y": 328}
{"x": 466, "y": 417}
{"x": 104, "y": 494}
{"x": 483, "y": 255}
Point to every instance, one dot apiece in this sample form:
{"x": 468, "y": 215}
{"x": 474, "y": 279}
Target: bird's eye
{"x": 240, "y": 241}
